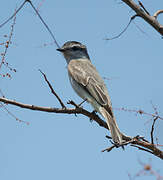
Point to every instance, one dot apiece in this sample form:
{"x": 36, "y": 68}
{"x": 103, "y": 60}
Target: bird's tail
{"x": 117, "y": 136}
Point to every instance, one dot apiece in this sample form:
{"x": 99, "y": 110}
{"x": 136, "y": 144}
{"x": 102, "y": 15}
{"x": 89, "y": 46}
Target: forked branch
{"x": 143, "y": 13}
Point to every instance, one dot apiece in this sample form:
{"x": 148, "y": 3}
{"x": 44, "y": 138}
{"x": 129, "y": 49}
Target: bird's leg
{"x": 117, "y": 145}
{"x": 93, "y": 113}
{"x": 140, "y": 138}
{"x": 82, "y": 102}
{"x": 76, "y": 105}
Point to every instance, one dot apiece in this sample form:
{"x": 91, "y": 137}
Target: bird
{"x": 88, "y": 84}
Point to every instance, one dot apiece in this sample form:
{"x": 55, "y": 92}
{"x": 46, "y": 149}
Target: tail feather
{"x": 117, "y": 136}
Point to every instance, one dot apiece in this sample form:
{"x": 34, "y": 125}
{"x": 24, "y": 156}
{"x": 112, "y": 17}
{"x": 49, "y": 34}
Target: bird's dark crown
{"x": 74, "y": 50}
{"x": 72, "y": 44}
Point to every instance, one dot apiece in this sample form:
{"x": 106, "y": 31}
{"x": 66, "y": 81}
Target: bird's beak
{"x": 60, "y": 49}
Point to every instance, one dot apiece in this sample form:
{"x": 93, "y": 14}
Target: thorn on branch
{"x": 140, "y": 3}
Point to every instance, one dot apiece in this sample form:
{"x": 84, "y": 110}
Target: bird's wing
{"x": 84, "y": 73}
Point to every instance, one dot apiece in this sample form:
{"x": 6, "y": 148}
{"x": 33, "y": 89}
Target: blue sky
{"x": 57, "y": 146}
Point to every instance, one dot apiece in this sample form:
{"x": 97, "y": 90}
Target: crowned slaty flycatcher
{"x": 88, "y": 84}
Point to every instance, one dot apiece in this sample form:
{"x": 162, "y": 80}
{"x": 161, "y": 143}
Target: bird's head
{"x": 74, "y": 50}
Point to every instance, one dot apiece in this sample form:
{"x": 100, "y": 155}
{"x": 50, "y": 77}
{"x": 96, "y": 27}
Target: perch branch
{"x": 78, "y": 110}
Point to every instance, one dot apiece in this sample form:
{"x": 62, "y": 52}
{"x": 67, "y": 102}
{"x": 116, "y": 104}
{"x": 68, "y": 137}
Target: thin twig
{"x": 133, "y": 17}
{"x": 141, "y": 112}
{"x": 47, "y": 27}
{"x": 21, "y": 6}
{"x": 108, "y": 149}
{"x": 52, "y": 90}
{"x": 152, "y": 129}
{"x": 122, "y": 145}
{"x": 12, "y": 115}
{"x": 143, "y": 149}
{"x": 9, "y": 112}
{"x": 9, "y": 41}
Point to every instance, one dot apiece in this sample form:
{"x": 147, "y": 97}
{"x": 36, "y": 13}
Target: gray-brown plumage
{"x": 89, "y": 85}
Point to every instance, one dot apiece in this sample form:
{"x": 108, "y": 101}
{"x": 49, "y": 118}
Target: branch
{"x": 152, "y": 130}
{"x": 151, "y": 148}
{"x": 152, "y": 20}
{"x": 77, "y": 110}
{"x": 124, "y": 30}
{"x": 143, "y": 145}
{"x": 47, "y": 27}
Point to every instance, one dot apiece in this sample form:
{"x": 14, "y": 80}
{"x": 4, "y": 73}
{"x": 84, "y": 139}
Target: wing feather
{"x": 84, "y": 73}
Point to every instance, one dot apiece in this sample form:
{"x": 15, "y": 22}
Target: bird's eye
{"x": 75, "y": 48}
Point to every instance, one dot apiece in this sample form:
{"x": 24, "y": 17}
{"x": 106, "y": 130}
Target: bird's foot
{"x": 138, "y": 137}
{"x": 117, "y": 145}
{"x": 93, "y": 113}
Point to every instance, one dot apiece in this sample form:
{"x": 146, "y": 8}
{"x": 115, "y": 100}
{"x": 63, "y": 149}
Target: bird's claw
{"x": 94, "y": 113}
